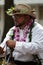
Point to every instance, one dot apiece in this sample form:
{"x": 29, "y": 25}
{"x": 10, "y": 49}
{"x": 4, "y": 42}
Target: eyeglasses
{"x": 22, "y": 15}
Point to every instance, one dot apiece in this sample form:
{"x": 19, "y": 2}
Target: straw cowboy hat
{"x": 23, "y": 9}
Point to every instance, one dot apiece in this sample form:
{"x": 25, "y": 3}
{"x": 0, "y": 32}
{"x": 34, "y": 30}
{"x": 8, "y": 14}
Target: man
{"x": 26, "y": 37}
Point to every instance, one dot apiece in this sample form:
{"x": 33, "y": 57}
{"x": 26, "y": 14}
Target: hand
{"x": 1, "y": 50}
{"x": 11, "y": 43}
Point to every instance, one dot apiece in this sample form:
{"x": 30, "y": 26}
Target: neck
{"x": 23, "y": 26}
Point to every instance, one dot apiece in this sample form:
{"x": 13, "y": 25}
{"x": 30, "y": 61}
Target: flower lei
{"x": 25, "y": 31}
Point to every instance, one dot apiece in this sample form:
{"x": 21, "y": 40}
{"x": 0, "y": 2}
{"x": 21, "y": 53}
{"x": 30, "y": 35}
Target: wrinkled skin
{"x": 21, "y": 20}
{"x": 11, "y": 44}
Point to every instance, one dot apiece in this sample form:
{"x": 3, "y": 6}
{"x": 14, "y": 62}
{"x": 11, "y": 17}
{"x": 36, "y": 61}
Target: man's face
{"x": 21, "y": 19}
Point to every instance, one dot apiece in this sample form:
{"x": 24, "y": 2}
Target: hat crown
{"x": 23, "y": 8}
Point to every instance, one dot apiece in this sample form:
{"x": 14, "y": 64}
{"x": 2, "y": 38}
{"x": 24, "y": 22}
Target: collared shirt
{"x": 23, "y": 50}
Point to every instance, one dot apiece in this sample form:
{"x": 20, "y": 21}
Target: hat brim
{"x": 32, "y": 15}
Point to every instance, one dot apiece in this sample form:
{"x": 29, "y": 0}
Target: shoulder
{"x": 37, "y": 27}
{"x": 10, "y": 32}
{"x": 12, "y": 28}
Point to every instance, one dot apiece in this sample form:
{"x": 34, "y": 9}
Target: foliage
{"x": 9, "y": 11}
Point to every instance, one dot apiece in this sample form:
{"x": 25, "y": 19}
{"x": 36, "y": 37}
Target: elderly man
{"x": 25, "y": 37}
